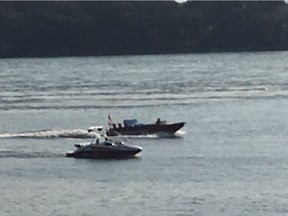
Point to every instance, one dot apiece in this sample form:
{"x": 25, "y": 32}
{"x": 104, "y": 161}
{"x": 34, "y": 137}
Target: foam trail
{"x": 178, "y": 134}
{"x": 62, "y": 133}
{"x": 80, "y": 134}
{"x": 22, "y": 154}
{"x": 150, "y": 136}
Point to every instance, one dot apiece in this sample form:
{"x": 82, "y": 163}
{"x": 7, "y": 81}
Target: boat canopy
{"x": 130, "y": 122}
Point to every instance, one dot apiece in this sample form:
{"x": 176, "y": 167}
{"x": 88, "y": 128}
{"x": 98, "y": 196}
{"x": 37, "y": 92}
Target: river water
{"x": 231, "y": 157}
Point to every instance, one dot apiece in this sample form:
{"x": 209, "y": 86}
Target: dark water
{"x": 231, "y": 158}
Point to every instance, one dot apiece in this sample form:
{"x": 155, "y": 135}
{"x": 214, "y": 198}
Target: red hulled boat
{"x": 132, "y": 127}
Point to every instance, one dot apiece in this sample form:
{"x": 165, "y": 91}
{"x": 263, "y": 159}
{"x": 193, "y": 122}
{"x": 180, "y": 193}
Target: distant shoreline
{"x": 103, "y": 28}
{"x": 147, "y": 54}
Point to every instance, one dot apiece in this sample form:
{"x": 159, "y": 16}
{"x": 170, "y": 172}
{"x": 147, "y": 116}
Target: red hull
{"x": 145, "y": 129}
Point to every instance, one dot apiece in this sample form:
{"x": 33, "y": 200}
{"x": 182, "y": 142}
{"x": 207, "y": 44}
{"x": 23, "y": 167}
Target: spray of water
{"x": 63, "y": 133}
{"x": 181, "y": 1}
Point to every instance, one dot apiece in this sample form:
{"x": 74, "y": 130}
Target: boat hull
{"x": 104, "y": 153}
{"x": 145, "y": 129}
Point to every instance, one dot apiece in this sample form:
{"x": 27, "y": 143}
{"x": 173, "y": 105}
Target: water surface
{"x": 232, "y": 159}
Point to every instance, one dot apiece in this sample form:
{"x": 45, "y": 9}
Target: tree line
{"x": 68, "y": 28}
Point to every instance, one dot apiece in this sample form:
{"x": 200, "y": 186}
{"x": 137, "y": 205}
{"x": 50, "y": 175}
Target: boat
{"x": 106, "y": 149}
{"x": 132, "y": 127}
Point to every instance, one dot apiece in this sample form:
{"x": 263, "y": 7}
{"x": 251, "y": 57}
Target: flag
{"x": 109, "y": 120}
